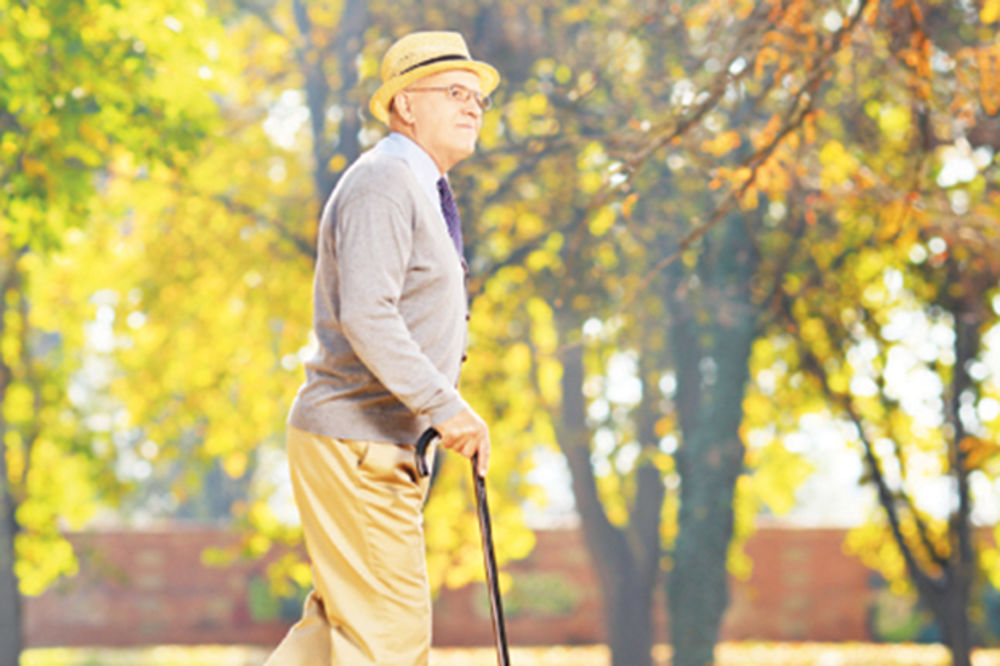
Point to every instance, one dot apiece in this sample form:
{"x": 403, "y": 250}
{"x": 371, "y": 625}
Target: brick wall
{"x": 138, "y": 588}
{"x": 802, "y": 587}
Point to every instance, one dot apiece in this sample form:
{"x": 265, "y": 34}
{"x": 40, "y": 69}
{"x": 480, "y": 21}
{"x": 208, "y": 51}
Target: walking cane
{"x": 486, "y": 532}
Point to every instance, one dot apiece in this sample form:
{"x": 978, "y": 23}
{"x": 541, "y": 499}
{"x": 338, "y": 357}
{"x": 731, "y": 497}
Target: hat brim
{"x": 379, "y": 104}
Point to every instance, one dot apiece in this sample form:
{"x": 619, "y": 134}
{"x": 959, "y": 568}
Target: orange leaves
{"x": 773, "y": 175}
{"x": 894, "y": 217}
{"x": 34, "y": 167}
{"x": 988, "y": 61}
{"x": 977, "y": 71}
{"x": 743, "y": 9}
{"x": 768, "y": 133}
{"x": 918, "y": 55}
{"x": 736, "y": 178}
{"x": 977, "y": 452}
{"x": 765, "y": 56}
{"x": 917, "y": 52}
{"x": 628, "y": 203}
{"x": 722, "y": 143}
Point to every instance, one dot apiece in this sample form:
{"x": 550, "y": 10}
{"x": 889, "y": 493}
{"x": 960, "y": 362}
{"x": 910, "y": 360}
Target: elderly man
{"x": 390, "y": 314}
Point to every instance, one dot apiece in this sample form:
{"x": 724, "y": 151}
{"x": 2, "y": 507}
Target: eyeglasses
{"x": 459, "y": 93}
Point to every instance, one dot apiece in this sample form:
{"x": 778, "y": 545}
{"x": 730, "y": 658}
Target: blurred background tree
{"x": 893, "y": 331}
{"x": 86, "y": 90}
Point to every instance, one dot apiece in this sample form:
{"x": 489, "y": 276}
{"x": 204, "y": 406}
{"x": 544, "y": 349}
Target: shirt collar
{"x": 421, "y": 164}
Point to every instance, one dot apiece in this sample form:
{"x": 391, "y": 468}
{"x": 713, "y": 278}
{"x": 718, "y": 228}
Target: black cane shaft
{"x": 489, "y": 557}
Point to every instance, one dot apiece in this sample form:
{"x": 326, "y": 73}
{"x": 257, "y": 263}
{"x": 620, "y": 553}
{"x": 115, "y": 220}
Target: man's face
{"x": 446, "y": 128}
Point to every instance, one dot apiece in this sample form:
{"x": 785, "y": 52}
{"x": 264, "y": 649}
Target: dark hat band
{"x": 431, "y": 61}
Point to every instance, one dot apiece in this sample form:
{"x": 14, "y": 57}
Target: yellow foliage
{"x": 530, "y": 224}
{"x": 517, "y": 360}
{"x": 18, "y": 405}
{"x": 15, "y": 458}
{"x": 895, "y": 215}
{"x": 32, "y": 24}
{"x": 812, "y": 330}
{"x": 894, "y": 121}
{"x": 874, "y": 546}
{"x": 990, "y": 12}
{"x": 538, "y": 104}
{"x": 745, "y": 507}
{"x": 990, "y": 560}
{"x": 58, "y": 484}
{"x": 602, "y": 221}
{"x": 549, "y": 380}
{"x": 777, "y": 475}
{"x": 749, "y": 199}
{"x": 840, "y": 381}
{"x": 541, "y": 259}
{"x": 738, "y": 563}
{"x": 93, "y": 136}
{"x": 610, "y": 489}
{"x": 42, "y": 559}
{"x": 337, "y": 163}
{"x": 590, "y": 182}
{"x": 235, "y": 464}
{"x": 591, "y": 156}
{"x": 837, "y": 164}
{"x": 258, "y": 544}
{"x": 756, "y": 407}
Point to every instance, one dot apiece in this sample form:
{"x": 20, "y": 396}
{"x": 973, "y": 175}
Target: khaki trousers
{"x": 360, "y": 504}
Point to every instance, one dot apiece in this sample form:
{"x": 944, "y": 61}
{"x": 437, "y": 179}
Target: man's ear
{"x": 402, "y": 107}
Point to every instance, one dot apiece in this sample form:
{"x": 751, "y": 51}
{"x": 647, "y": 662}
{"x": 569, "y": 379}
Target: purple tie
{"x": 450, "y": 211}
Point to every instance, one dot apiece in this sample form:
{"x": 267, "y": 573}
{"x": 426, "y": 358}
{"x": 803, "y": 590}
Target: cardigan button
{"x": 464, "y": 357}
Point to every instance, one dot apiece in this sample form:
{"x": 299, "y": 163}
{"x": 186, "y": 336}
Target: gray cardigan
{"x": 389, "y": 311}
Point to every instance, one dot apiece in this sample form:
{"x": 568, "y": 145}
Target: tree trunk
{"x": 949, "y": 600}
{"x": 10, "y": 597}
{"x": 627, "y": 578}
{"x": 711, "y": 456}
{"x": 354, "y": 20}
{"x": 951, "y": 614}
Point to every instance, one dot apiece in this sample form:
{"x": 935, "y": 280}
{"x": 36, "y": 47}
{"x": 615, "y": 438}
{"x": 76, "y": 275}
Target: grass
{"x": 728, "y": 654}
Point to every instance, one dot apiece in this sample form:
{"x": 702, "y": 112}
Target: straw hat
{"x": 420, "y": 54}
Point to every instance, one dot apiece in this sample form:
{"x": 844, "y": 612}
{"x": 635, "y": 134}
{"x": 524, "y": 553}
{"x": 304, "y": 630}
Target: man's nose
{"x": 473, "y": 109}
{"x": 472, "y": 104}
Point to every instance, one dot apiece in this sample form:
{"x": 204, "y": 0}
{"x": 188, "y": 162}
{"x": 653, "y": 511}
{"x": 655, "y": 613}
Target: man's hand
{"x": 467, "y": 434}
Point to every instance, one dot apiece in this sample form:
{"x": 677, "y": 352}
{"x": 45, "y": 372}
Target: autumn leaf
{"x": 990, "y": 12}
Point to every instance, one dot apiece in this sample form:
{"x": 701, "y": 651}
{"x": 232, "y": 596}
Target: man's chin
{"x": 466, "y": 150}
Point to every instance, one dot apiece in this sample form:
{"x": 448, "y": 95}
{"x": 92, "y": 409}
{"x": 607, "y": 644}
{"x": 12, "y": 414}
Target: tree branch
{"x": 885, "y": 494}
{"x": 837, "y": 41}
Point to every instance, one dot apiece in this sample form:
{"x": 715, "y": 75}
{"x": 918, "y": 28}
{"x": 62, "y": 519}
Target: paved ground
{"x": 729, "y": 654}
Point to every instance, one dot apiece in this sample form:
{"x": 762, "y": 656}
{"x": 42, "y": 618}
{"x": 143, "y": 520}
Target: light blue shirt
{"x": 421, "y": 164}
